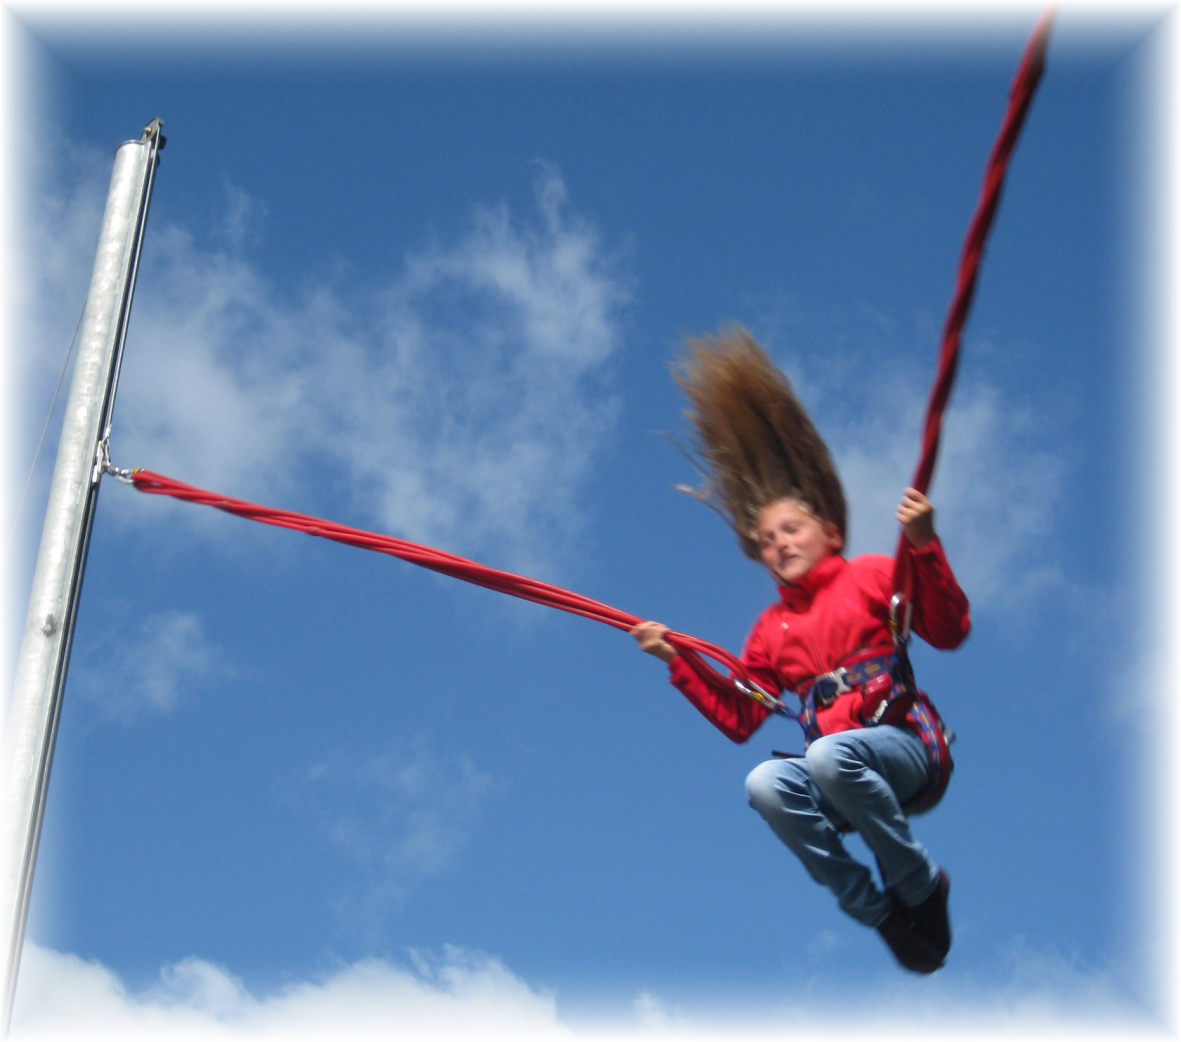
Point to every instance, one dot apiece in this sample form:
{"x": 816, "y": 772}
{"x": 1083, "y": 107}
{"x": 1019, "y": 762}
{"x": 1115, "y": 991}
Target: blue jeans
{"x": 854, "y": 779}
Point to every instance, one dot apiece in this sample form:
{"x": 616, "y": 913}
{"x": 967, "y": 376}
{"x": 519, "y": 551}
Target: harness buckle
{"x": 827, "y": 686}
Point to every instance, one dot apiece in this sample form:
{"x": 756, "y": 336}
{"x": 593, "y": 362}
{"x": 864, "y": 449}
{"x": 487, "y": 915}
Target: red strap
{"x": 690, "y": 648}
{"x": 1029, "y": 72}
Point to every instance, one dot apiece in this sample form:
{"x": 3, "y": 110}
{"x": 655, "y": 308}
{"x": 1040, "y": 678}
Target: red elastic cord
{"x": 691, "y": 649}
{"x": 1029, "y": 72}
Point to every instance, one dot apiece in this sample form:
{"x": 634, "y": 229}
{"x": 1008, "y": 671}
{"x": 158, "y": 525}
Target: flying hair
{"x": 755, "y": 441}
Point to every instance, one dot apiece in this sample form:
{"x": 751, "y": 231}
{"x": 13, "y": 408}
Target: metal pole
{"x": 31, "y": 726}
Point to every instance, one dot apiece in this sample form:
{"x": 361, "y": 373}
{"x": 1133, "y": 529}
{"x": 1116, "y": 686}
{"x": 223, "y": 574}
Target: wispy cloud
{"x": 461, "y": 399}
{"x": 996, "y": 493}
{"x": 656, "y": 1020}
{"x": 1119, "y": 629}
{"x": 399, "y": 816}
{"x": 863, "y": 377}
{"x": 999, "y": 490}
{"x": 456, "y": 993}
{"x": 171, "y": 655}
{"x": 56, "y": 240}
{"x": 1036, "y": 991}
{"x": 1141, "y": 684}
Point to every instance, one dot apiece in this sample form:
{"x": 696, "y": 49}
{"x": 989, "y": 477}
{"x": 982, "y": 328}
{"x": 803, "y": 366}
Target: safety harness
{"x": 889, "y": 695}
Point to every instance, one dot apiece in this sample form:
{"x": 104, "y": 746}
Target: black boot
{"x": 912, "y": 950}
{"x": 929, "y": 918}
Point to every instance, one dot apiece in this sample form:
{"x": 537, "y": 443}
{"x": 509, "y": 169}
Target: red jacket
{"x": 838, "y": 614}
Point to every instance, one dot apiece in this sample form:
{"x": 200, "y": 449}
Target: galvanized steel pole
{"x": 30, "y": 729}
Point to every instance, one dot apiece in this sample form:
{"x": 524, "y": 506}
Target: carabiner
{"x": 901, "y": 611}
{"x": 764, "y": 698}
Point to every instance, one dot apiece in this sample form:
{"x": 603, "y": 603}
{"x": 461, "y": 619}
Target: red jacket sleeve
{"x": 736, "y": 715}
{"x": 941, "y": 614}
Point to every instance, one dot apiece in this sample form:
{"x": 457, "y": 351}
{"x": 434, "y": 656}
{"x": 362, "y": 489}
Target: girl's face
{"x": 791, "y": 540}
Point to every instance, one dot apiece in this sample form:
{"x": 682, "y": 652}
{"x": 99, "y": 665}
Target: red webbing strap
{"x": 691, "y": 649}
{"x": 1029, "y": 72}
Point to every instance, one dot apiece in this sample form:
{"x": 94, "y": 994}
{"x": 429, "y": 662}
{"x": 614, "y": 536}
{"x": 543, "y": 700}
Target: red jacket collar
{"x": 799, "y": 595}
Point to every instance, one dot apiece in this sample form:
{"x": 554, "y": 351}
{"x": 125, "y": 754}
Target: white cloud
{"x": 458, "y": 995}
{"x": 1002, "y": 486}
{"x": 657, "y": 1021}
{"x": 460, "y": 400}
{"x": 1035, "y": 992}
{"x": 1003, "y": 496}
{"x": 63, "y": 997}
{"x": 62, "y": 235}
{"x": 997, "y": 491}
{"x": 238, "y": 224}
{"x": 171, "y": 655}
{"x": 1142, "y": 684}
{"x": 399, "y": 816}
{"x": 798, "y": 1020}
{"x": 1117, "y": 632}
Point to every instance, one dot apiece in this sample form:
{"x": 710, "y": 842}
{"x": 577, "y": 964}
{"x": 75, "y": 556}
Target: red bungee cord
{"x": 1029, "y": 73}
{"x": 692, "y": 649}
{"x": 689, "y": 648}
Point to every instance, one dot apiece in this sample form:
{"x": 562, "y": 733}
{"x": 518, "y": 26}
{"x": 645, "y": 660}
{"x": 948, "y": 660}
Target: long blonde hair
{"x": 754, "y": 438}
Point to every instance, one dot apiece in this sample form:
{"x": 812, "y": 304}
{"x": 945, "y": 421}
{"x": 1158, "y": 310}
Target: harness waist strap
{"x": 824, "y": 689}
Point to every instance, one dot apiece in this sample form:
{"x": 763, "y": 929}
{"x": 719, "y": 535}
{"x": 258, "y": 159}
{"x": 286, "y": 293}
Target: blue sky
{"x": 431, "y": 284}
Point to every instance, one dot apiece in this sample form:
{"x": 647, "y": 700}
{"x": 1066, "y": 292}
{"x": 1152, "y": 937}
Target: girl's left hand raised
{"x": 917, "y": 517}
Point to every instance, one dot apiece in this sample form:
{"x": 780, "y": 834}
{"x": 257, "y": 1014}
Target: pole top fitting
{"x": 154, "y": 130}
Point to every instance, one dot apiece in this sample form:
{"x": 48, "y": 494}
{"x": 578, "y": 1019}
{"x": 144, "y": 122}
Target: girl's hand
{"x": 917, "y": 517}
{"x": 650, "y": 637}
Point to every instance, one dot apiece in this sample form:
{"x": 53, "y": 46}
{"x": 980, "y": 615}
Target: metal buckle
{"x": 827, "y": 686}
{"x": 764, "y": 698}
{"x": 900, "y": 614}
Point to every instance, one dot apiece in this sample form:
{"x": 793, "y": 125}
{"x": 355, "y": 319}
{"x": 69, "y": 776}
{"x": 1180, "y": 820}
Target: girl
{"x": 828, "y": 640}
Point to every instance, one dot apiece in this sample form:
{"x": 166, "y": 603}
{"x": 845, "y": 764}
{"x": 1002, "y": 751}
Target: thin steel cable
{"x": 37, "y": 454}
{"x": 155, "y": 143}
